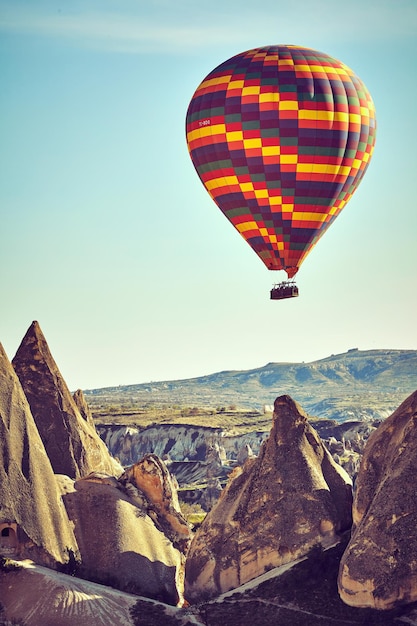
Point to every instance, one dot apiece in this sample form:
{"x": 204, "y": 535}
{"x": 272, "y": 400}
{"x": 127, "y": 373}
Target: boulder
{"x": 290, "y": 498}
{"x": 379, "y": 566}
{"x": 33, "y": 520}
{"x": 70, "y": 439}
{"x": 130, "y": 531}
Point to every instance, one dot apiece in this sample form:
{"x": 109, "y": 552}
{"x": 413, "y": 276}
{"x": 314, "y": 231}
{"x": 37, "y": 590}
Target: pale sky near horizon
{"x": 109, "y": 239}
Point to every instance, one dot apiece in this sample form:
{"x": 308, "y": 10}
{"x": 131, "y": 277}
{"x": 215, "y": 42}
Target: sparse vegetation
{"x": 145, "y": 613}
{"x": 72, "y": 565}
{"x": 353, "y": 385}
{"x": 235, "y": 421}
{"x": 193, "y": 513}
{"x": 8, "y": 565}
{"x": 304, "y": 595}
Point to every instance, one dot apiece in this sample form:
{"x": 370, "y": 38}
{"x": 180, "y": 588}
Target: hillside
{"x": 354, "y": 385}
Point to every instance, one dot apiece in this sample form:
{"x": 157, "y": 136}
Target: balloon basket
{"x": 286, "y": 289}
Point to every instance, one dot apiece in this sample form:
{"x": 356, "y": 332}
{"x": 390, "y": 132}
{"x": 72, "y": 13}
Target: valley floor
{"x": 299, "y": 594}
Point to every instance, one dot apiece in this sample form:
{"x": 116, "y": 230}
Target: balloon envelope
{"x": 281, "y": 136}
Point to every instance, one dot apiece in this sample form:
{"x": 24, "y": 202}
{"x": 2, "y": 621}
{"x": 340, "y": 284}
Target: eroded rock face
{"x": 379, "y": 566}
{"x": 180, "y": 442}
{"x": 70, "y": 439}
{"x": 82, "y": 406}
{"x": 130, "y": 531}
{"x": 36, "y": 596}
{"x": 37, "y": 526}
{"x": 192, "y": 443}
{"x": 151, "y": 478}
{"x": 274, "y": 510}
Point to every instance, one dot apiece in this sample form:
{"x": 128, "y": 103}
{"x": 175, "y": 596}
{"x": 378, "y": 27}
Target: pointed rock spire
{"x": 83, "y": 407}
{"x": 33, "y": 519}
{"x": 71, "y": 441}
{"x": 275, "y": 509}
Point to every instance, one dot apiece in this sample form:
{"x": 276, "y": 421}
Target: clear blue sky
{"x": 110, "y": 241}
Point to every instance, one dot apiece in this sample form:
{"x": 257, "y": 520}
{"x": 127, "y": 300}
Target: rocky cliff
{"x": 70, "y": 439}
{"x": 179, "y": 442}
{"x": 274, "y": 510}
{"x": 185, "y": 443}
{"x": 33, "y": 520}
{"x": 379, "y": 567}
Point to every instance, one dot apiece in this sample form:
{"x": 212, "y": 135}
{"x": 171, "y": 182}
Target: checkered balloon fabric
{"x": 281, "y": 136}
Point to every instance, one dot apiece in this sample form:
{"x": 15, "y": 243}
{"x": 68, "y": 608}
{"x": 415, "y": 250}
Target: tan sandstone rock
{"x": 379, "y": 566}
{"x": 82, "y": 406}
{"x": 151, "y": 478}
{"x": 38, "y": 596}
{"x": 70, "y": 439}
{"x": 130, "y": 531}
{"x": 33, "y": 520}
{"x": 273, "y": 511}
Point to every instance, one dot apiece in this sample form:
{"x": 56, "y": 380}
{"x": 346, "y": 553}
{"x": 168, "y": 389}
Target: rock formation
{"x": 37, "y": 596}
{"x": 180, "y": 442}
{"x": 379, "y": 566}
{"x": 130, "y": 531}
{"x": 82, "y": 406}
{"x": 274, "y": 510}
{"x": 33, "y": 520}
{"x": 244, "y": 454}
{"x": 70, "y": 439}
{"x": 194, "y": 443}
{"x": 151, "y": 478}
{"x": 211, "y": 494}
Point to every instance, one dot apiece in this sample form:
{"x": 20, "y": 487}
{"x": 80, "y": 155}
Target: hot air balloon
{"x": 281, "y": 137}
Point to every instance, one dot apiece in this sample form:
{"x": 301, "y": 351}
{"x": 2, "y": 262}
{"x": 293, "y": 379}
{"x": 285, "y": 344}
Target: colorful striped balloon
{"x": 280, "y": 137}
